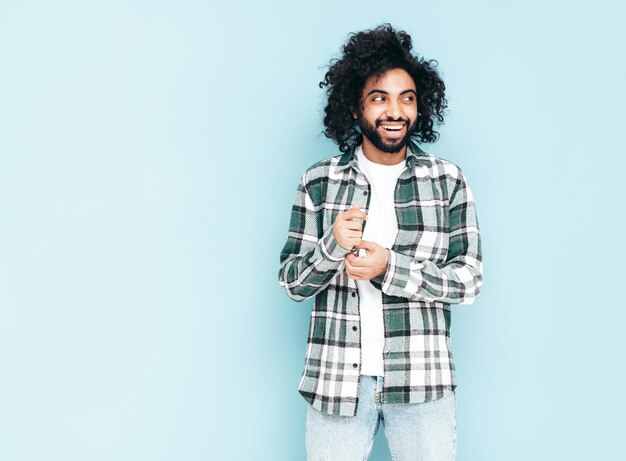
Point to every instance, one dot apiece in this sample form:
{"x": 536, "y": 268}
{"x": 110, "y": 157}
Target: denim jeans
{"x": 424, "y": 431}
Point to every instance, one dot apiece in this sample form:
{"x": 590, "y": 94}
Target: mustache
{"x": 406, "y": 121}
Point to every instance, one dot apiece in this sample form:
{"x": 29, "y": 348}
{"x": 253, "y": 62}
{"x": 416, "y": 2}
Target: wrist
{"x": 330, "y": 247}
{"x": 384, "y": 263}
{"x": 386, "y": 266}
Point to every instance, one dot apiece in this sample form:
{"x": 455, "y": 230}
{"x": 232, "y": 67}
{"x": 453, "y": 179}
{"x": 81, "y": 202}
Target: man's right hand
{"x": 348, "y": 228}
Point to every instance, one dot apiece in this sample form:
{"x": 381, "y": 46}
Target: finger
{"x": 355, "y": 274}
{"x": 353, "y": 235}
{"x": 349, "y": 267}
{"x": 353, "y": 242}
{"x": 353, "y": 260}
{"x": 353, "y": 213}
{"x": 352, "y": 264}
{"x": 357, "y": 261}
{"x": 353, "y": 225}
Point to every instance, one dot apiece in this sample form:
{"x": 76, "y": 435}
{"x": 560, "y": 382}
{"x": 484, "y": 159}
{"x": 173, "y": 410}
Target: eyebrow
{"x": 376, "y": 90}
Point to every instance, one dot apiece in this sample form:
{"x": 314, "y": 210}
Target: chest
{"x": 418, "y": 200}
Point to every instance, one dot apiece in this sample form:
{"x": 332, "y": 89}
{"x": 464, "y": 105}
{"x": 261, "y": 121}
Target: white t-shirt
{"x": 381, "y": 228}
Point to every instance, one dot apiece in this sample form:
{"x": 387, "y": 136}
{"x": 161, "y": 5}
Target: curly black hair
{"x": 373, "y": 52}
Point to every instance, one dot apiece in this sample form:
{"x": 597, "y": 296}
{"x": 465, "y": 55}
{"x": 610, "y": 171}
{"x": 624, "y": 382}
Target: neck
{"x": 375, "y": 155}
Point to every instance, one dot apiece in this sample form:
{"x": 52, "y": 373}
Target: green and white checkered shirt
{"x": 435, "y": 261}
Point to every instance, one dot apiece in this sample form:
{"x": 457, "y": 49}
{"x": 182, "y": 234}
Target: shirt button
{"x": 364, "y": 192}
{"x": 353, "y": 294}
{"x": 354, "y": 328}
{"x": 354, "y": 365}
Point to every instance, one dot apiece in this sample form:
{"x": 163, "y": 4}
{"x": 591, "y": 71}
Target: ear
{"x": 354, "y": 113}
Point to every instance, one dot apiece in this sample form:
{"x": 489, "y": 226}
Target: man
{"x": 385, "y": 237}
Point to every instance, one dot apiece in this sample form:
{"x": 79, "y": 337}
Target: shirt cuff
{"x": 330, "y": 248}
{"x": 396, "y": 278}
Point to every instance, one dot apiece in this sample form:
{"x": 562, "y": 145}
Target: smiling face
{"x": 387, "y": 115}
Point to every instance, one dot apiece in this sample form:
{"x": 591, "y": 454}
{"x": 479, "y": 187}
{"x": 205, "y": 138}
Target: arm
{"x": 459, "y": 279}
{"x": 308, "y": 262}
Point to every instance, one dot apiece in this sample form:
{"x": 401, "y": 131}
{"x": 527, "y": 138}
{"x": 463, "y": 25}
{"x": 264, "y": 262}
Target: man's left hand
{"x": 369, "y": 266}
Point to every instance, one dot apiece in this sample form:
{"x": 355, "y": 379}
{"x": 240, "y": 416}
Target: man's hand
{"x": 369, "y": 266}
{"x": 348, "y": 228}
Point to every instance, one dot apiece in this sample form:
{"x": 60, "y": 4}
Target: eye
{"x": 378, "y": 98}
{"x": 408, "y": 98}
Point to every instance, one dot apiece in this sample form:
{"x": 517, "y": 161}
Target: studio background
{"x": 149, "y": 156}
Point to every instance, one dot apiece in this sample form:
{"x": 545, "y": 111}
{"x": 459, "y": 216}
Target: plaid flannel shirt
{"x": 435, "y": 261}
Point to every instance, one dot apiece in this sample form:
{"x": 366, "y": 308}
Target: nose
{"x": 393, "y": 110}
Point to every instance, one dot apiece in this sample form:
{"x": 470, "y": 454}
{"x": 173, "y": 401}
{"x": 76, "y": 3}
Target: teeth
{"x": 392, "y": 128}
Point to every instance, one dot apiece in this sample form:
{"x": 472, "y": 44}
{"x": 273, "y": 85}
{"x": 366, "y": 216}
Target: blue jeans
{"x": 424, "y": 431}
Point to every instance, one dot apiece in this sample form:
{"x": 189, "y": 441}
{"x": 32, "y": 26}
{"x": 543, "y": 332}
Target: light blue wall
{"x": 149, "y": 154}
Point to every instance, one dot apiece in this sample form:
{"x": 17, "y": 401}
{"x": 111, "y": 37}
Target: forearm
{"x": 306, "y": 272}
{"x": 458, "y": 281}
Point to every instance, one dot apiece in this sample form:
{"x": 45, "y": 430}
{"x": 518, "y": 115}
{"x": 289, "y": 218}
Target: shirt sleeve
{"x": 459, "y": 279}
{"x": 311, "y": 257}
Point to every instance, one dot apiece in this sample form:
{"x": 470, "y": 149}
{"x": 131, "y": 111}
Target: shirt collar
{"x": 414, "y": 156}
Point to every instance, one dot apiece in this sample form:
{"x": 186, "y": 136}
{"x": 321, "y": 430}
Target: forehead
{"x": 391, "y": 81}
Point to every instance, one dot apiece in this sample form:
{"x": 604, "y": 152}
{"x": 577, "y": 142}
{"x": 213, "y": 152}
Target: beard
{"x": 388, "y": 147}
